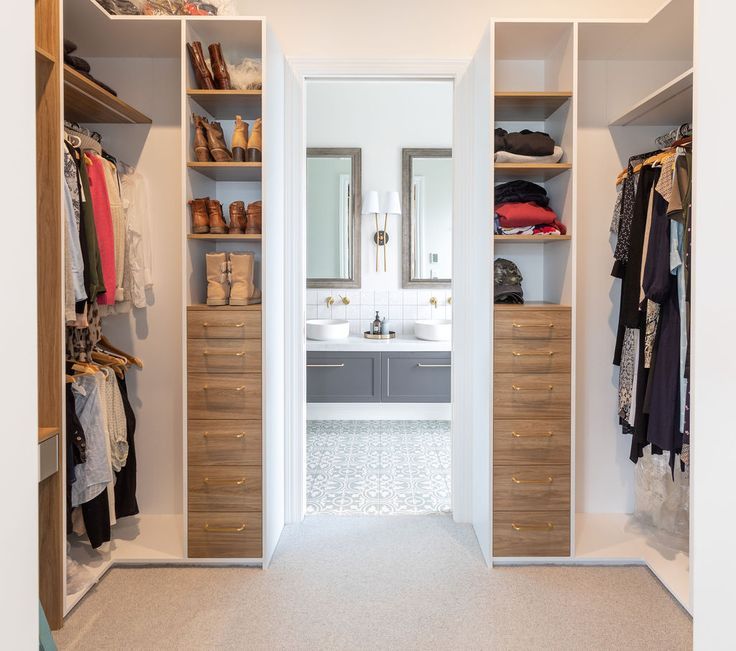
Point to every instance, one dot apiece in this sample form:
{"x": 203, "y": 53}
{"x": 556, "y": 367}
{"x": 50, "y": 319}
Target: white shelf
{"x": 670, "y": 105}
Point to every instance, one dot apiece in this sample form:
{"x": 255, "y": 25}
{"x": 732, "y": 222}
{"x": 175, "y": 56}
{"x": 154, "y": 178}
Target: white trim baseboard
{"x": 379, "y": 411}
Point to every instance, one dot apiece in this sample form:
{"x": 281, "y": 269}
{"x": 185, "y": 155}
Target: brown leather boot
{"x": 201, "y": 71}
{"x": 240, "y": 139}
{"x": 253, "y": 218}
{"x": 219, "y": 67}
{"x": 255, "y": 146}
{"x": 217, "y": 221}
{"x": 200, "y": 217}
{"x": 216, "y": 142}
{"x": 237, "y": 218}
{"x": 242, "y": 288}
{"x": 201, "y": 150}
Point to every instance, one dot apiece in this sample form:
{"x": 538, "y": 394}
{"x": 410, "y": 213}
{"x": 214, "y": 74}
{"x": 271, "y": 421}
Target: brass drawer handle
{"x": 533, "y": 325}
{"x": 516, "y": 480}
{"x": 420, "y": 365}
{"x": 539, "y": 435}
{"x": 210, "y": 529}
{"x": 518, "y": 388}
{"x": 549, "y": 353}
{"x": 548, "y": 526}
{"x": 223, "y": 353}
{"x": 223, "y": 325}
{"x": 325, "y": 365}
{"x": 239, "y": 435}
{"x": 224, "y": 482}
{"x": 240, "y": 388}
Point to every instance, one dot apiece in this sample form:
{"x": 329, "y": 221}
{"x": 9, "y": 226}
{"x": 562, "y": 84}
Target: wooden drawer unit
{"x": 531, "y": 533}
{"x": 231, "y": 534}
{"x": 221, "y": 396}
{"x": 531, "y": 442}
{"x": 224, "y": 355}
{"x": 531, "y": 487}
{"x": 531, "y": 356}
{"x": 228, "y": 488}
{"x": 214, "y": 323}
{"x": 531, "y": 396}
{"x": 523, "y": 322}
{"x": 224, "y": 442}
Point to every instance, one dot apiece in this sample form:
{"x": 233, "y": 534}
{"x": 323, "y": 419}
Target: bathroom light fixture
{"x": 371, "y": 207}
{"x": 391, "y": 205}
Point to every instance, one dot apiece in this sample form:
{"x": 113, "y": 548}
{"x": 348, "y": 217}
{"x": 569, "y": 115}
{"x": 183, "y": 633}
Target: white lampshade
{"x": 391, "y": 203}
{"x": 370, "y": 202}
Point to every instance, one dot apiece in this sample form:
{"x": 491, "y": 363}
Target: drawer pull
{"x": 540, "y": 435}
{"x": 420, "y": 365}
{"x": 518, "y": 388}
{"x": 547, "y": 526}
{"x": 223, "y": 325}
{"x": 547, "y": 480}
{"x": 224, "y": 482}
{"x": 223, "y": 353}
{"x": 239, "y": 435}
{"x": 533, "y": 325}
{"x": 240, "y": 388}
{"x": 325, "y": 365}
{"x": 549, "y": 353}
{"x": 210, "y": 529}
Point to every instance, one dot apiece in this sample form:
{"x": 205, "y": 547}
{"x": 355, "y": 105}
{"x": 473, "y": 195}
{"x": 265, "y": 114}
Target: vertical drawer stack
{"x": 531, "y": 431}
{"x": 224, "y": 432}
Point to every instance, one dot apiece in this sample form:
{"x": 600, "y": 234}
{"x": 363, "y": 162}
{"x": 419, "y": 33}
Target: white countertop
{"x": 400, "y": 343}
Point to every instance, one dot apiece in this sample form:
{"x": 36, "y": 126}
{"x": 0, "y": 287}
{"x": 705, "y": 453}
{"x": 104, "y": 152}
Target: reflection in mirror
{"x": 427, "y": 206}
{"x": 333, "y": 217}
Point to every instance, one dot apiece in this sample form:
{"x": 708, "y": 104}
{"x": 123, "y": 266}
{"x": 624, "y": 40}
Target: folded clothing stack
{"x": 81, "y": 65}
{"x": 522, "y": 208}
{"x": 525, "y": 147}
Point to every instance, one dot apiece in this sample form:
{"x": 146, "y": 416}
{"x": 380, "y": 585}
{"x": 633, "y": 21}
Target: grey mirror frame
{"x": 355, "y": 153}
{"x": 407, "y": 246}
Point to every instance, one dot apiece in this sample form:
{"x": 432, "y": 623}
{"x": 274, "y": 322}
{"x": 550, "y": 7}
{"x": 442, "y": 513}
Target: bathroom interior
{"x": 379, "y": 202}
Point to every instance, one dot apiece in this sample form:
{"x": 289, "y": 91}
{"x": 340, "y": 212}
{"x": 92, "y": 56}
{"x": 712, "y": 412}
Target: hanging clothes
{"x": 104, "y": 226}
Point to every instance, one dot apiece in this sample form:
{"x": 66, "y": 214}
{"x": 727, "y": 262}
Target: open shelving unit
{"x": 536, "y": 172}
{"x": 529, "y": 104}
{"x": 229, "y": 172}
{"x": 227, "y": 103}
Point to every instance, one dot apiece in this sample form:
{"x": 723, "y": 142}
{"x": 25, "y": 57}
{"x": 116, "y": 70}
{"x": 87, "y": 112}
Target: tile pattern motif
{"x": 378, "y": 467}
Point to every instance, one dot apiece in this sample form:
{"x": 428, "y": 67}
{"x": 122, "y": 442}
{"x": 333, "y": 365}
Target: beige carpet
{"x": 395, "y": 582}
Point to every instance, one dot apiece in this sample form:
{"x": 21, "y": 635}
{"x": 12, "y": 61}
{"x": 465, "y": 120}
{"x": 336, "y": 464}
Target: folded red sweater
{"x": 517, "y": 215}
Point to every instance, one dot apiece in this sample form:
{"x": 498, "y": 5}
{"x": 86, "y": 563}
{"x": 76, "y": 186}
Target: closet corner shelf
{"x": 85, "y": 101}
{"x": 670, "y": 105}
{"x": 229, "y": 171}
{"x": 528, "y": 105}
{"x": 45, "y": 433}
{"x": 225, "y": 237}
{"x": 533, "y": 239}
{"x": 226, "y": 104}
{"x": 529, "y": 171}
{"x": 44, "y": 56}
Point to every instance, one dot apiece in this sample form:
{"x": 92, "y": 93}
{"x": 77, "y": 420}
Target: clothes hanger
{"x": 105, "y": 343}
{"x": 74, "y": 141}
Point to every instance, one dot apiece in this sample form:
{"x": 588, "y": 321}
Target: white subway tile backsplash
{"x": 381, "y": 297}
{"x": 424, "y": 295}
{"x": 353, "y": 311}
{"x": 410, "y": 312}
{"x": 324, "y": 312}
{"x": 410, "y": 297}
{"x": 395, "y": 297}
{"x": 397, "y": 327}
{"x": 312, "y": 298}
{"x": 367, "y": 296}
{"x": 426, "y": 313}
{"x": 407, "y": 328}
{"x": 367, "y": 312}
{"x": 312, "y": 312}
{"x": 353, "y": 295}
{"x": 339, "y": 311}
{"x": 382, "y": 310}
{"x": 395, "y": 312}
{"x": 322, "y": 295}
{"x": 355, "y": 327}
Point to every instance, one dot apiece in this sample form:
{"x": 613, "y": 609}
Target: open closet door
{"x": 274, "y": 237}
{"x": 472, "y": 297}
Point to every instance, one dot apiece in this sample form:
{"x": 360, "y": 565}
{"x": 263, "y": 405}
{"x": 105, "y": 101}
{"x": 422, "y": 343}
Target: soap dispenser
{"x": 376, "y": 327}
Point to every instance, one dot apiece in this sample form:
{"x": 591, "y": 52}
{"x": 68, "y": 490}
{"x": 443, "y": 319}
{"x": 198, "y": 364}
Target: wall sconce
{"x": 391, "y": 206}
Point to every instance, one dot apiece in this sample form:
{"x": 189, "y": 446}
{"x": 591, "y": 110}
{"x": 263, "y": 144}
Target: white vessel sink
{"x": 326, "y": 329}
{"x": 433, "y": 329}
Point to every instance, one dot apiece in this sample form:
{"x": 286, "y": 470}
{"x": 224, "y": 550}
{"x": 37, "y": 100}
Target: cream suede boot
{"x": 243, "y": 290}
{"x": 218, "y": 285}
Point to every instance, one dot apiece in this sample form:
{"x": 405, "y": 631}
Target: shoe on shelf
{"x": 201, "y": 71}
{"x": 200, "y": 215}
{"x": 219, "y": 67}
{"x": 255, "y": 147}
{"x": 216, "y": 220}
{"x": 216, "y": 142}
{"x": 237, "y": 218}
{"x": 253, "y": 218}
{"x": 240, "y": 139}
{"x": 242, "y": 288}
{"x": 201, "y": 149}
{"x": 218, "y": 283}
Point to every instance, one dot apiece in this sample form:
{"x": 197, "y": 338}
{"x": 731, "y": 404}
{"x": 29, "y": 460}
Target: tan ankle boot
{"x": 253, "y": 218}
{"x": 243, "y": 291}
{"x": 200, "y": 216}
{"x": 216, "y": 142}
{"x": 255, "y": 144}
{"x": 240, "y": 139}
{"x": 216, "y": 220}
{"x": 237, "y": 218}
{"x": 201, "y": 150}
{"x": 218, "y": 285}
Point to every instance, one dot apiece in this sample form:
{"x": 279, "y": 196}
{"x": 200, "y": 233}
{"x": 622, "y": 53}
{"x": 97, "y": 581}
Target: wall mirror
{"x": 333, "y": 217}
{"x": 427, "y": 224}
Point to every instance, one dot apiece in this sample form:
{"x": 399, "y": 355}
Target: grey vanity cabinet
{"x": 378, "y": 377}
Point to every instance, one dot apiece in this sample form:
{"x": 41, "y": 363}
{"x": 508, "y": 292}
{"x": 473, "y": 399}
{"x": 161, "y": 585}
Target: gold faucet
{"x": 449, "y": 300}
{"x": 345, "y": 300}
{"x": 329, "y": 300}
{"x": 433, "y": 301}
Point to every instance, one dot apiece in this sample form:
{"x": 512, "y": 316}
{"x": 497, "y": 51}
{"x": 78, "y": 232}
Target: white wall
{"x": 18, "y": 405}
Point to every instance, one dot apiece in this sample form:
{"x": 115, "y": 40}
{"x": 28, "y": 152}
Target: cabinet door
{"x": 343, "y": 377}
{"x": 416, "y": 377}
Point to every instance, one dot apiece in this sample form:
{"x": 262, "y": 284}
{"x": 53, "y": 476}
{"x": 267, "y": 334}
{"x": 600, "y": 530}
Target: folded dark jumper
{"x": 525, "y": 142}
{"x": 82, "y": 66}
{"x": 521, "y": 191}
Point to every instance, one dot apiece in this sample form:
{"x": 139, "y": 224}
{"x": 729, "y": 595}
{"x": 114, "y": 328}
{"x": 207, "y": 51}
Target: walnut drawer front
{"x": 529, "y": 323}
{"x": 531, "y": 356}
{"x": 531, "y": 487}
{"x": 531, "y": 442}
{"x": 224, "y": 442}
{"x": 224, "y": 356}
{"x": 233, "y": 534}
{"x": 531, "y": 533}
{"x": 224, "y": 324}
{"x": 221, "y": 396}
{"x": 533, "y": 396}
{"x": 228, "y": 488}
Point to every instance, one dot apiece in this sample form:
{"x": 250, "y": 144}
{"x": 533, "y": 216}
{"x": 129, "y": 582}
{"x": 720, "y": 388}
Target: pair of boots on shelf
{"x": 209, "y": 141}
{"x": 230, "y": 279}
{"x": 221, "y": 80}
{"x": 207, "y": 217}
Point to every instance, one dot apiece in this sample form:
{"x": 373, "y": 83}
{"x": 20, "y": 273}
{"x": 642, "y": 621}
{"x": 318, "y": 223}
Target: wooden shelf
{"x": 44, "y": 56}
{"x": 533, "y": 239}
{"x": 530, "y": 172}
{"x": 85, "y": 101}
{"x": 528, "y": 105}
{"x": 228, "y": 171}
{"x": 45, "y": 433}
{"x": 670, "y": 105}
{"x": 225, "y": 237}
{"x": 201, "y": 307}
{"x": 226, "y": 104}
{"x": 530, "y": 305}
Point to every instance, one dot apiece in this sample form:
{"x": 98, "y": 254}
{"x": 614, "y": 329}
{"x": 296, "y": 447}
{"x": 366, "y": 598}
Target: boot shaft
{"x": 253, "y": 218}
{"x": 240, "y": 139}
{"x": 255, "y": 146}
{"x": 201, "y": 148}
{"x": 200, "y": 215}
{"x": 237, "y": 217}
{"x": 219, "y": 67}
{"x": 201, "y": 71}
{"x": 218, "y": 282}
{"x": 242, "y": 270}
{"x": 216, "y": 220}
